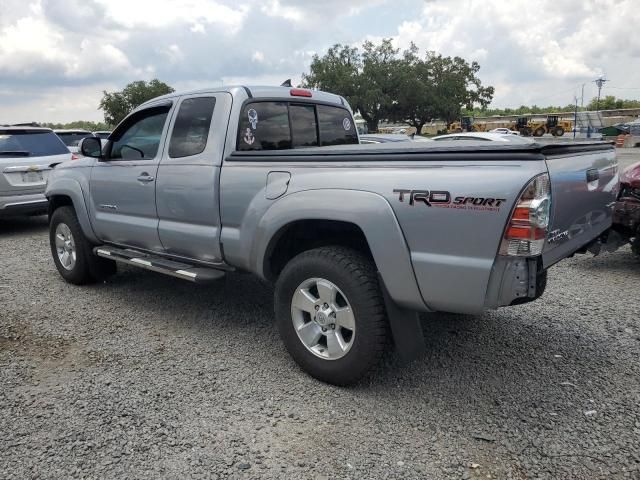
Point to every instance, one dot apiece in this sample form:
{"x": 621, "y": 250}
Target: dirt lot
{"x": 148, "y": 376}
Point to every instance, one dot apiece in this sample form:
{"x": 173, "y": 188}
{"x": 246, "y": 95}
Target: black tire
{"x": 559, "y": 131}
{"x": 355, "y": 275}
{"x": 538, "y": 132}
{"x": 88, "y": 268}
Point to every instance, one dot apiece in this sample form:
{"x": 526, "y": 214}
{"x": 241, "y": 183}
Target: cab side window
{"x": 139, "y": 138}
{"x": 191, "y": 128}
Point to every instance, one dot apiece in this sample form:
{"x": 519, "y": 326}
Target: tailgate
{"x": 584, "y": 187}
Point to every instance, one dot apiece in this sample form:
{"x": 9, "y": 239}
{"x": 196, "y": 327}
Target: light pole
{"x": 575, "y": 115}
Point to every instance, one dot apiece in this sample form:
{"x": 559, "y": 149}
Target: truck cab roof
{"x": 259, "y": 91}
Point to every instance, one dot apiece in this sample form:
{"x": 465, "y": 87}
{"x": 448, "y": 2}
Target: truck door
{"x": 187, "y": 189}
{"x": 123, "y": 185}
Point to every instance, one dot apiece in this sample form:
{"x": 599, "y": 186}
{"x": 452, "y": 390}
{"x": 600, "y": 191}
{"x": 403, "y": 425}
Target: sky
{"x": 58, "y": 56}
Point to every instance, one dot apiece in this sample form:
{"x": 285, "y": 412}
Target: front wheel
{"x": 71, "y": 251}
{"x": 330, "y": 314}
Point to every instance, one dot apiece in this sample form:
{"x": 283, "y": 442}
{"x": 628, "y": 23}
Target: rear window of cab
{"x": 273, "y": 125}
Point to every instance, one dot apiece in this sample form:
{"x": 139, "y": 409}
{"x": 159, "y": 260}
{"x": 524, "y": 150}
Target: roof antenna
{"x": 286, "y": 83}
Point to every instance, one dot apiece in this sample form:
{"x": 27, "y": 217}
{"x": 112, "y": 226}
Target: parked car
{"x": 483, "y": 136}
{"x": 504, "y": 131}
{"x": 26, "y": 158}
{"x": 71, "y": 138}
{"x": 626, "y": 218}
{"x": 390, "y": 137}
{"x": 356, "y": 238}
{"x": 102, "y": 134}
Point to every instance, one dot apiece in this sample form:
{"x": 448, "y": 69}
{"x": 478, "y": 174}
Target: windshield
{"x": 72, "y": 139}
{"x": 30, "y": 143}
{"x": 103, "y": 135}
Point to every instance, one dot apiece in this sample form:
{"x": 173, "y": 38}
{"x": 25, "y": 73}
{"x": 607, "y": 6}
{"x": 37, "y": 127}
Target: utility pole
{"x": 575, "y": 113}
{"x": 582, "y": 98}
{"x": 599, "y": 82}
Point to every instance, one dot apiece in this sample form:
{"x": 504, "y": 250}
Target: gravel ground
{"x": 148, "y": 376}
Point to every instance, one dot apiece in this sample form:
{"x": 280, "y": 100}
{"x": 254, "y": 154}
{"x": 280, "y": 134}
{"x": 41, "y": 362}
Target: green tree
{"x": 383, "y": 85}
{"x": 368, "y": 79}
{"x": 438, "y": 87}
{"x": 79, "y": 124}
{"x": 610, "y": 102}
{"x": 117, "y": 105}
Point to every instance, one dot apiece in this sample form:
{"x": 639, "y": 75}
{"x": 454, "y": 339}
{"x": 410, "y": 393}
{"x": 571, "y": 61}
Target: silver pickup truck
{"x": 356, "y": 238}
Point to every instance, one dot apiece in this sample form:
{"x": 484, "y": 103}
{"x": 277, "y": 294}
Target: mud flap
{"x": 405, "y": 328}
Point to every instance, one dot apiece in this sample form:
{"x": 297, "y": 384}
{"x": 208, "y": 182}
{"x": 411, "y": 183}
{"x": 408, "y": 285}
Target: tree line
{"x": 609, "y": 102}
{"x": 380, "y": 82}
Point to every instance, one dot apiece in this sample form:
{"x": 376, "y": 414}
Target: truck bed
{"x": 453, "y": 251}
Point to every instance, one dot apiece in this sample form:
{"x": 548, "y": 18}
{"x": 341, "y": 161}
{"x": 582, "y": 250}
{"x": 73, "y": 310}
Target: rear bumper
{"x": 515, "y": 280}
{"x": 34, "y": 203}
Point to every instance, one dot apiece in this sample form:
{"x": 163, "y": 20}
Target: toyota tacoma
{"x": 356, "y": 238}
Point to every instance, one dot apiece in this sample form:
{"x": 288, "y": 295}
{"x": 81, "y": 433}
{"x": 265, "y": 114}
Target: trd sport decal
{"x": 442, "y": 199}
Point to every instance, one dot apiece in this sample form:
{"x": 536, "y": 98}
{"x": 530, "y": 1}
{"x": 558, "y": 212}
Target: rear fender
{"x": 369, "y": 211}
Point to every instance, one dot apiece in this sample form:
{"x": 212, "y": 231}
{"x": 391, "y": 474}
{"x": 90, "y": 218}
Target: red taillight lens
{"x": 299, "y": 92}
{"x": 74, "y": 156}
{"x": 528, "y": 226}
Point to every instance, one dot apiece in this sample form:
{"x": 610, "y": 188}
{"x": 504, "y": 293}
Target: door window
{"x": 139, "y": 137}
{"x": 191, "y": 128}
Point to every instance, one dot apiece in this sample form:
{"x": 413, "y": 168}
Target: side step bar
{"x": 196, "y": 274}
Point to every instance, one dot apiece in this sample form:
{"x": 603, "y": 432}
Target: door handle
{"x": 145, "y": 178}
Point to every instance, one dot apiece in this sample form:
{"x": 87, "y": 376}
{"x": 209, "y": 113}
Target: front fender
{"x": 369, "y": 211}
{"x": 70, "y": 187}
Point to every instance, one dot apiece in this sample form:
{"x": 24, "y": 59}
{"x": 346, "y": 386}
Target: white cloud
{"x": 524, "y": 47}
{"x": 154, "y": 13}
{"x": 531, "y": 52}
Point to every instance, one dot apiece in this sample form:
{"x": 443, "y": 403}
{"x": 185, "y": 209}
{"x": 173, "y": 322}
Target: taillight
{"x": 299, "y": 92}
{"x": 529, "y": 223}
{"x": 74, "y": 156}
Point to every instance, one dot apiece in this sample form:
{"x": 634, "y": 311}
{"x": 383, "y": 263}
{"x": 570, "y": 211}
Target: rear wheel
{"x": 635, "y": 245}
{"x": 330, "y": 314}
{"x": 559, "y": 132}
{"x": 538, "y": 132}
{"x": 72, "y": 252}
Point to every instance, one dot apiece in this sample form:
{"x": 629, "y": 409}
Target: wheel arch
{"x": 306, "y": 234}
{"x": 68, "y": 192}
{"x": 362, "y": 220}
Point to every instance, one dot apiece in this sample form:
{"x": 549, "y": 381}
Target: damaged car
{"x": 626, "y": 218}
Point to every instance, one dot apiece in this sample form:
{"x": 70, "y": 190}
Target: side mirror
{"x": 90, "y": 147}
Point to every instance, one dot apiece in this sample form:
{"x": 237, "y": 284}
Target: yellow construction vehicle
{"x": 466, "y": 124}
{"x": 538, "y": 127}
